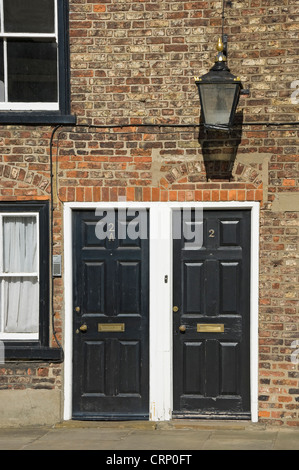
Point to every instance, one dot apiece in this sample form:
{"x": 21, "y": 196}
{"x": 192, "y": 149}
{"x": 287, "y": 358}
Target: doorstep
{"x": 180, "y": 424}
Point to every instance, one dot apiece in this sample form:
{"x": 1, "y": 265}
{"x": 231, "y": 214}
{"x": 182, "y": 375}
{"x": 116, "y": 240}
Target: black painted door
{"x": 110, "y": 316}
{"x": 211, "y": 324}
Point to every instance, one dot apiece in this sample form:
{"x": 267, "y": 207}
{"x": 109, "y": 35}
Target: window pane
{"x": 2, "y": 94}
{"x": 32, "y": 71}
{"x": 29, "y": 16}
{"x": 217, "y": 103}
{"x": 20, "y": 244}
{"x": 21, "y": 305}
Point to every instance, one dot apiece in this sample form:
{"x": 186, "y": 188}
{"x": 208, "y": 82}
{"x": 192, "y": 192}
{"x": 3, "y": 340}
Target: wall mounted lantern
{"x": 219, "y": 93}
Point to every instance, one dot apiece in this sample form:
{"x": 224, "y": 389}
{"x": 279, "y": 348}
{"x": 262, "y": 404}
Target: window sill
{"x": 32, "y": 353}
{"x": 36, "y": 118}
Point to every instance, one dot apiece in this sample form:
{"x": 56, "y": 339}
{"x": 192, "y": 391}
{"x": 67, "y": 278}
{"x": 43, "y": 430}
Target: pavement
{"x": 177, "y": 437}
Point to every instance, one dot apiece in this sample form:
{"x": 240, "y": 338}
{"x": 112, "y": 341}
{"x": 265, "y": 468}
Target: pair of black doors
{"x": 111, "y": 317}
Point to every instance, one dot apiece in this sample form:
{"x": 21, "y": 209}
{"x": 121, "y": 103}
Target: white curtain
{"x": 21, "y": 293}
{"x": 20, "y": 245}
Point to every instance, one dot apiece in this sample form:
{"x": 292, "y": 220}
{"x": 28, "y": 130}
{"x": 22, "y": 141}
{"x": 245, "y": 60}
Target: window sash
{"x": 7, "y": 105}
{"x": 5, "y": 275}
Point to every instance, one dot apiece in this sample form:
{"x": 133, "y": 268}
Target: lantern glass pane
{"x": 217, "y": 102}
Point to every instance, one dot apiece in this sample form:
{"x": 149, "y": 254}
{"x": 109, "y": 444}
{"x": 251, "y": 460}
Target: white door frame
{"x": 160, "y": 380}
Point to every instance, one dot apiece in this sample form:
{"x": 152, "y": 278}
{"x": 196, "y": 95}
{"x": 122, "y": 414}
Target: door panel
{"x": 111, "y": 300}
{"x": 193, "y": 360}
{"x": 211, "y": 293}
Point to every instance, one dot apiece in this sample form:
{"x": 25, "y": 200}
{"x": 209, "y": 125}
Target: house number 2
{"x": 211, "y": 233}
{"x": 111, "y": 231}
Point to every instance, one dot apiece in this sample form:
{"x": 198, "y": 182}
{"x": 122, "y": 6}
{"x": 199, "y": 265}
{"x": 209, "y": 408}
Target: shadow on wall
{"x": 219, "y": 150}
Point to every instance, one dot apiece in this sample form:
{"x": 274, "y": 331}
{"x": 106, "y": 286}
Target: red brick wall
{"x": 132, "y": 66}
{"x": 19, "y": 377}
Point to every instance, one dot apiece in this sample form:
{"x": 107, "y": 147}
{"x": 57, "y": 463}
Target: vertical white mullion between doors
{"x": 160, "y": 313}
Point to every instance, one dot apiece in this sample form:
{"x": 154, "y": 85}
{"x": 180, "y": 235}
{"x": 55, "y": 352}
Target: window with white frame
{"x": 29, "y": 55}
{"x": 19, "y": 276}
{"x": 34, "y": 62}
{"x": 25, "y": 285}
